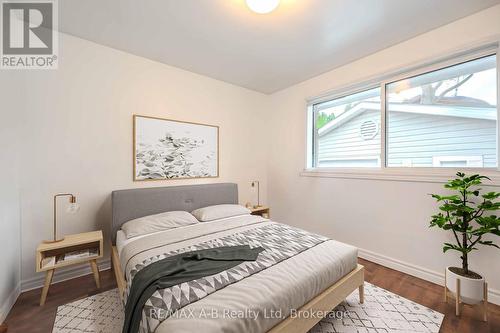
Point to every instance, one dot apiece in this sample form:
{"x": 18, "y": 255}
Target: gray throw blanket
{"x": 177, "y": 269}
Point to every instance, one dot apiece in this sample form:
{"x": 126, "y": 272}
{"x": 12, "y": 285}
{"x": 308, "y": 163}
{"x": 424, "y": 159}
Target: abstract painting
{"x": 170, "y": 149}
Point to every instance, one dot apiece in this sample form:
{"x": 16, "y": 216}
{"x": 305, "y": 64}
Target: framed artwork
{"x": 171, "y": 149}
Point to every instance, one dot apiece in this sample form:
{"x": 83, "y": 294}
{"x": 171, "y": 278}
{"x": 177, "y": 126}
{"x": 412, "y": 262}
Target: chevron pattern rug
{"x": 382, "y": 311}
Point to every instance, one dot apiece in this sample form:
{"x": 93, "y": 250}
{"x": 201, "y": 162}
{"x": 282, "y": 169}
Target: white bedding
{"x": 122, "y": 240}
{"x": 278, "y": 289}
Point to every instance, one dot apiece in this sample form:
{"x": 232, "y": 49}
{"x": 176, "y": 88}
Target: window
{"x": 443, "y": 114}
{"x": 347, "y": 131}
{"x": 445, "y": 118}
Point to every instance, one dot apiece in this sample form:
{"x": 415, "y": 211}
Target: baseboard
{"x": 64, "y": 274}
{"x": 417, "y": 271}
{"x": 9, "y": 302}
{"x": 77, "y": 271}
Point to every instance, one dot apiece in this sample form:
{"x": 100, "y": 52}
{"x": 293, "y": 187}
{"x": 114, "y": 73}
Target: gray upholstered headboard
{"x": 135, "y": 203}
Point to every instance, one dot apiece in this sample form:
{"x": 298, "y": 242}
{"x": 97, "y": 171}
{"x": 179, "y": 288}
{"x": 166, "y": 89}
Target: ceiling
{"x": 223, "y": 39}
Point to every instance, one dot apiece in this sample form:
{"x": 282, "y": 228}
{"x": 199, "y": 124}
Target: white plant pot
{"x": 471, "y": 290}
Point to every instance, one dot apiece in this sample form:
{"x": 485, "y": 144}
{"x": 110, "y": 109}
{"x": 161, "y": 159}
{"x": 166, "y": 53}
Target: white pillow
{"x": 158, "y": 222}
{"x": 216, "y": 212}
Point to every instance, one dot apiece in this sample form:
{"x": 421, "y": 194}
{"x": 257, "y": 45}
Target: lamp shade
{"x": 73, "y": 208}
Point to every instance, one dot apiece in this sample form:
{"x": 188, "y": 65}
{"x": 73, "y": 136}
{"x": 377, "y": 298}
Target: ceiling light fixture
{"x": 262, "y": 6}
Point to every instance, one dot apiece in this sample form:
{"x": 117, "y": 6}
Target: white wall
{"x": 77, "y": 134}
{"x": 388, "y": 219}
{"x": 10, "y": 220}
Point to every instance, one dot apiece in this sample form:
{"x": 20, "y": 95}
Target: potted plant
{"x": 470, "y": 216}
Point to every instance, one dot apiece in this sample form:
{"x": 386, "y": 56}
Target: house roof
{"x": 433, "y": 110}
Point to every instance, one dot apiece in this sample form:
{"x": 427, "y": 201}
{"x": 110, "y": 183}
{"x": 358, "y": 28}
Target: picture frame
{"x": 168, "y": 149}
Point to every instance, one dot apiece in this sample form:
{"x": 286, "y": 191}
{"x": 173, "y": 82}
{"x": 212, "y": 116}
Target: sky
{"x": 482, "y": 85}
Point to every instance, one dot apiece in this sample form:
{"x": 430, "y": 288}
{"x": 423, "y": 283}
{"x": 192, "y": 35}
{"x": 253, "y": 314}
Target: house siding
{"x": 413, "y": 140}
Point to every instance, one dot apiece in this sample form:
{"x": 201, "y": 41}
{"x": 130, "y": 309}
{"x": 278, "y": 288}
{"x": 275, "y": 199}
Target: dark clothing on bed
{"x": 177, "y": 269}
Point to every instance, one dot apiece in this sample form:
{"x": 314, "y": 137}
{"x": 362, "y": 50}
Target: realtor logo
{"x": 29, "y": 36}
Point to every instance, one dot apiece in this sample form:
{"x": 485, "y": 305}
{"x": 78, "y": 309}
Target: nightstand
{"x": 262, "y": 211}
{"x": 73, "y": 250}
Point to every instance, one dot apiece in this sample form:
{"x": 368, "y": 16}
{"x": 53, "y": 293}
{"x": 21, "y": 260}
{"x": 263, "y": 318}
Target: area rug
{"x": 382, "y": 311}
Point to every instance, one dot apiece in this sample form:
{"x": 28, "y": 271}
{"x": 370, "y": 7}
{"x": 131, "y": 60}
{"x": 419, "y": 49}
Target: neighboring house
{"x": 418, "y": 135}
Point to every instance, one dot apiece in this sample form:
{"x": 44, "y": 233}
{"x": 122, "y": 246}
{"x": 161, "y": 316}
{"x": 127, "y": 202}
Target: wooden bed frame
{"x": 323, "y": 303}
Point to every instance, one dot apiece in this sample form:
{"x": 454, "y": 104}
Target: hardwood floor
{"x": 28, "y": 316}
{"x": 431, "y": 295}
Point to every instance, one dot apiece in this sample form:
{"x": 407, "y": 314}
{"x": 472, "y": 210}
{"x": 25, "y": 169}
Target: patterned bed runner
{"x": 280, "y": 242}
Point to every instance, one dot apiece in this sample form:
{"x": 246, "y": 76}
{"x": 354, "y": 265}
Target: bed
{"x": 291, "y": 294}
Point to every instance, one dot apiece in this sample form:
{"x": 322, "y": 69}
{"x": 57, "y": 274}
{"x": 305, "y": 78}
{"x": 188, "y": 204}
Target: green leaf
{"x": 489, "y": 205}
{"x": 491, "y": 195}
{"x": 449, "y": 246}
{"x": 489, "y": 243}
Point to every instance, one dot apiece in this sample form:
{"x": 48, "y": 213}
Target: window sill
{"x": 425, "y": 175}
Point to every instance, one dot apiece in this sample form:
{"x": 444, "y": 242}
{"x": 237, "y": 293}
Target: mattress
{"x": 255, "y": 303}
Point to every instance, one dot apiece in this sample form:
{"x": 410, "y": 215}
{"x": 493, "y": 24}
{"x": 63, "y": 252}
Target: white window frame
{"x": 469, "y": 160}
{"x": 367, "y": 158}
{"x": 420, "y": 174}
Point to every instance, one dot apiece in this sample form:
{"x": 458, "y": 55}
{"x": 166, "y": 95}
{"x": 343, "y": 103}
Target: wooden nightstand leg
{"x": 95, "y": 270}
{"x": 48, "y": 280}
{"x": 361, "y": 290}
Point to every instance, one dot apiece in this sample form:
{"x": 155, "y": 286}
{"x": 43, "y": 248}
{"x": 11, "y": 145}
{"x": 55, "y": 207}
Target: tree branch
{"x": 479, "y": 212}
{"x": 451, "y": 225}
{"x": 474, "y": 242}
{"x": 436, "y": 87}
{"x": 455, "y": 86}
